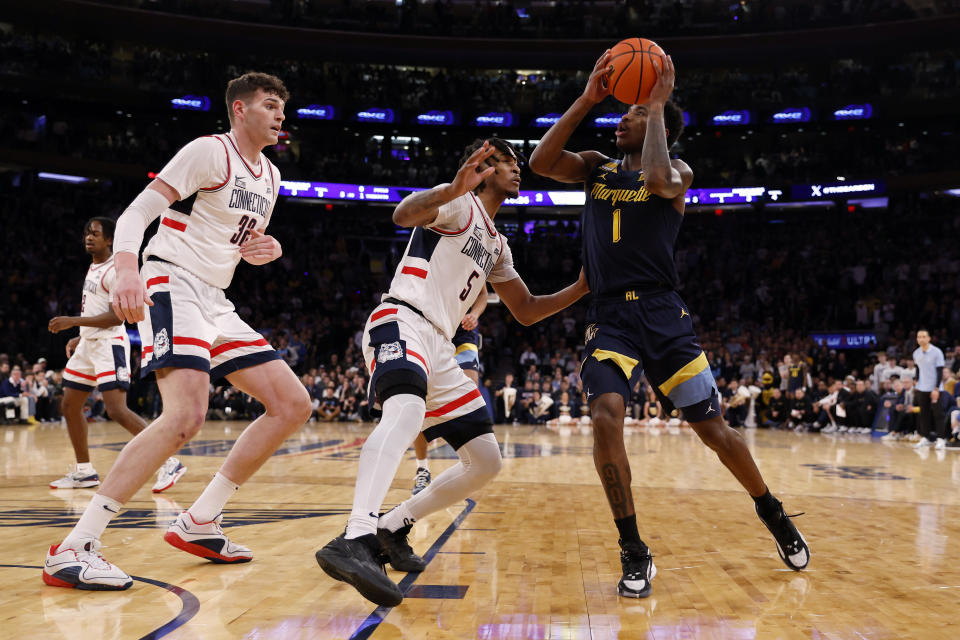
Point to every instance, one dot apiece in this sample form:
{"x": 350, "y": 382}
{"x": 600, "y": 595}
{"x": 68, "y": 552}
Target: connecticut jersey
{"x": 446, "y": 266}
{"x": 96, "y": 299}
{"x": 222, "y": 200}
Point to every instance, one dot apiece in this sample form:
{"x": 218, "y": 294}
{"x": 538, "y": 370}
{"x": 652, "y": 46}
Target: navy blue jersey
{"x": 629, "y": 233}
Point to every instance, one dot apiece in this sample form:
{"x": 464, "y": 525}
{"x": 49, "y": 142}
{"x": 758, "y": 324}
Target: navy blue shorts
{"x": 648, "y": 334}
{"x": 467, "y": 345}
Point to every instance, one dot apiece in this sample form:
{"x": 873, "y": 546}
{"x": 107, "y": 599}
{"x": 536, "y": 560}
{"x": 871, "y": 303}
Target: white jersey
{"x": 446, "y": 266}
{"x": 96, "y": 299}
{"x": 222, "y": 199}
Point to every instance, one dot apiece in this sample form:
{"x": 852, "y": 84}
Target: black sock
{"x": 628, "y": 530}
{"x": 767, "y": 505}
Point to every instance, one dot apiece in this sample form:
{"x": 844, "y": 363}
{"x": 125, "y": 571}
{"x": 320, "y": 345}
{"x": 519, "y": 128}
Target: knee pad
{"x": 397, "y": 382}
{"x": 481, "y": 457}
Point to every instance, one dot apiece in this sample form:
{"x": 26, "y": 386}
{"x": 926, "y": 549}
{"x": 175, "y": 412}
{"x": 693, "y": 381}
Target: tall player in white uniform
{"x": 99, "y": 358}
{"x": 216, "y": 197}
{"x": 453, "y": 251}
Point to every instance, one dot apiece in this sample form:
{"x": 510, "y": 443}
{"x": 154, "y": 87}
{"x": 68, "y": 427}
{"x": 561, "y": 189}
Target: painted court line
{"x": 368, "y": 626}
{"x": 189, "y": 603}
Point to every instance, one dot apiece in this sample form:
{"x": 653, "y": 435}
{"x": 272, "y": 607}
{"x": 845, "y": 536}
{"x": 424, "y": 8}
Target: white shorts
{"x": 192, "y": 325}
{"x": 99, "y": 362}
{"x": 400, "y": 343}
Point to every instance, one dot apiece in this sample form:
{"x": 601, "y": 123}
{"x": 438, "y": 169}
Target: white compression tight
{"x": 480, "y": 462}
{"x": 380, "y": 457}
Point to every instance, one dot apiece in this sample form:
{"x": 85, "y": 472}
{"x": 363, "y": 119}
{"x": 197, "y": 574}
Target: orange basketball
{"x": 635, "y": 64}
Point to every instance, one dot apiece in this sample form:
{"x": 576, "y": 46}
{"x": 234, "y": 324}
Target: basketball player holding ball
{"x": 637, "y": 320}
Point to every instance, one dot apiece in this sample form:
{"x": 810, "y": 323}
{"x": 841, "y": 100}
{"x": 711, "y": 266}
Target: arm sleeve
{"x": 144, "y": 209}
{"x": 201, "y": 164}
{"x": 455, "y": 214}
{"x": 504, "y": 270}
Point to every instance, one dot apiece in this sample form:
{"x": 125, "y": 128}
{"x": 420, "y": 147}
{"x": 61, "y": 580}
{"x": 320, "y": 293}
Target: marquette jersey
{"x": 222, "y": 200}
{"x": 629, "y": 233}
{"x": 447, "y": 265}
{"x": 96, "y": 299}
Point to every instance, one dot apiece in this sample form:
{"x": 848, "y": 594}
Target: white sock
{"x": 380, "y": 458}
{"x": 85, "y": 467}
{"x": 93, "y": 522}
{"x": 480, "y": 462}
{"x": 396, "y": 518}
{"x": 423, "y": 464}
{"x": 214, "y": 498}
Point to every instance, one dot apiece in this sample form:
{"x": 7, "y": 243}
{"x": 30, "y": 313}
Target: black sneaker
{"x": 953, "y": 443}
{"x": 791, "y": 545}
{"x": 421, "y": 480}
{"x": 359, "y": 562}
{"x": 395, "y": 545}
{"x": 638, "y": 570}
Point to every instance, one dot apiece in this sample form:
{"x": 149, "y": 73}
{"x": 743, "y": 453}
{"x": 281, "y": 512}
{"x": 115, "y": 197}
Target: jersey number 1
{"x": 247, "y": 223}
{"x": 616, "y": 226}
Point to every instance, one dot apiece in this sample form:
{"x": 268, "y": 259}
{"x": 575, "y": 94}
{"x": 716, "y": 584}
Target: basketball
{"x": 635, "y": 64}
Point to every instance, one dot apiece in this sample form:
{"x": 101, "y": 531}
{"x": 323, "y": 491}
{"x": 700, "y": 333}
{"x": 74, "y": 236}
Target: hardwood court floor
{"x": 532, "y": 556}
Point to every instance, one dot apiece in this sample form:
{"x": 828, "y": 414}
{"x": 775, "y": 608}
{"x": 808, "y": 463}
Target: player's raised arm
{"x": 131, "y": 294}
{"x": 422, "y": 208}
{"x": 550, "y": 159}
{"x": 665, "y": 177}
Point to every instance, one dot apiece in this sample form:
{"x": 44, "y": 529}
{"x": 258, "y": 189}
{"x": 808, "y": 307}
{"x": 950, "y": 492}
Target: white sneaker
{"x": 828, "y": 429}
{"x": 83, "y": 569}
{"x": 76, "y": 480}
{"x": 171, "y": 471}
{"x": 922, "y": 443}
{"x": 891, "y": 437}
{"x": 206, "y": 540}
{"x": 913, "y": 437}
{"x": 941, "y": 444}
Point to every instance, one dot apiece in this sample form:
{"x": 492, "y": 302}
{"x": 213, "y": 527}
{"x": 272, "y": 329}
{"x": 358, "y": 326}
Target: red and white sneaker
{"x": 171, "y": 471}
{"x": 205, "y": 539}
{"x": 83, "y": 568}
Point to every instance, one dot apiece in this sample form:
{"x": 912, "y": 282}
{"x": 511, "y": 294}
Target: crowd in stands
{"x": 347, "y": 151}
{"x": 562, "y": 19}
{"x": 903, "y": 76}
{"x": 757, "y": 281}
{"x": 757, "y": 286}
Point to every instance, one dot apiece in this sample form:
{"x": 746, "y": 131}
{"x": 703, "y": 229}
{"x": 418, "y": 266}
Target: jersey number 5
{"x": 247, "y": 223}
{"x": 466, "y": 292}
{"x": 616, "y": 226}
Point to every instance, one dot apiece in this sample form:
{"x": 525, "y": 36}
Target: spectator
{"x": 802, "y": 415}
{"x": 14, "y": 393}
{"x": 929, "y": 362}
{"x": 329, "y": 409}
{"x": 506, "y": 396}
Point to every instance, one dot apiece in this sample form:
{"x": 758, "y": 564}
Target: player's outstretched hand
{"x": 470, "y": 176}
{"x": 130, "y": 296}
{"x": 72, "y": 346}
{"x": 470, "y": 322}
{"x": 664, "y": 86}
{"x": 60, "y": 323}
{"x": 597, "y": 87}
{"x": 260, "y": 249}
